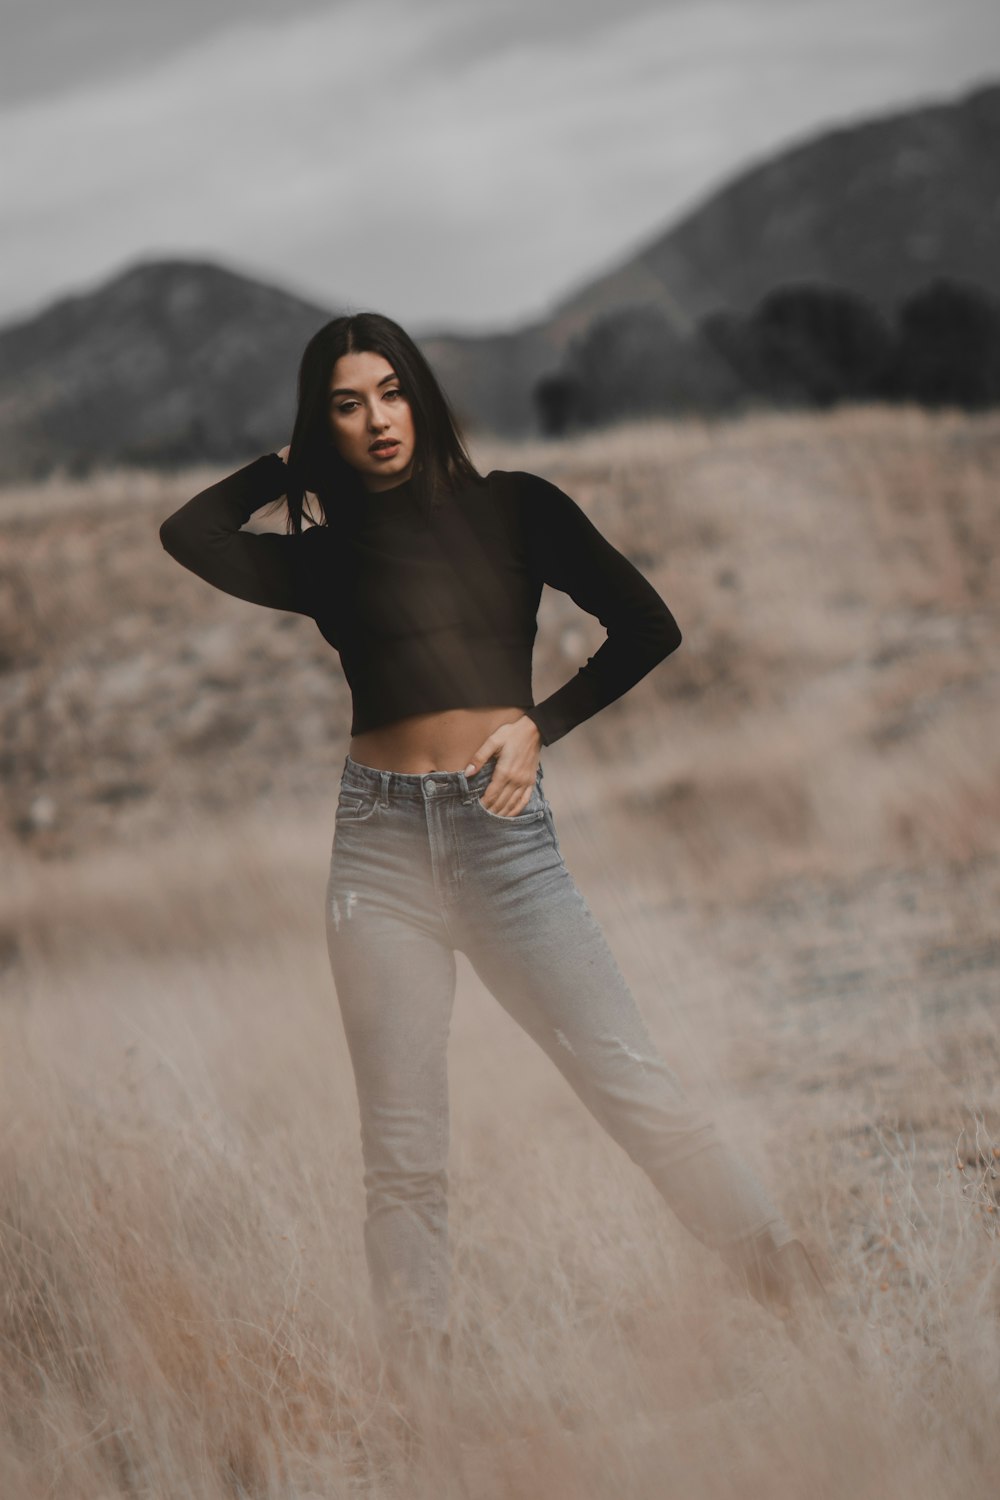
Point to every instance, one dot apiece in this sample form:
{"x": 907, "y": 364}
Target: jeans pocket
{"x": 530, "y": 814}
{"x": 354, "y": 806}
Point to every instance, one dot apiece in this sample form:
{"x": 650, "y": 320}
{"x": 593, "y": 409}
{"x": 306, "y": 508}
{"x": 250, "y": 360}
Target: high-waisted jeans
{"x": 420, "y": 869}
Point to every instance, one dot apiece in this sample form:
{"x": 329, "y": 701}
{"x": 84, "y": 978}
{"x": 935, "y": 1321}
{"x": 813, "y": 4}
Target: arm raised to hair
{"x": 572, "y": 555}
{"x": 264, "y": 568}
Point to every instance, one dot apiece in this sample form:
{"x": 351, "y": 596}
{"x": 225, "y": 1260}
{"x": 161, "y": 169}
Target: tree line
{"x": 809, "y": 344}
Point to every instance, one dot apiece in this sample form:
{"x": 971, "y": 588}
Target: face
{"x": 367, "y": 405}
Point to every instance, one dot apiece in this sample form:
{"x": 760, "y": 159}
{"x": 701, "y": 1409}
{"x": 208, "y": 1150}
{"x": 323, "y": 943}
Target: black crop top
{"x": 440, "y": 613}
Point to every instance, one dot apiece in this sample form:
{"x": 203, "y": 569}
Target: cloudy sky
{"x": 456, "y": 164}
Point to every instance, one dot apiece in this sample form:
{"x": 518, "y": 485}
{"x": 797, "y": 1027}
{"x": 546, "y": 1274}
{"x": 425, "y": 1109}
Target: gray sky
{"x": 453, "y": 163}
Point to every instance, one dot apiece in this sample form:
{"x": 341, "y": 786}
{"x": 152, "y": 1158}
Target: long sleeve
{"x": 573, "y": 556}
{"x": 264, "y": 568}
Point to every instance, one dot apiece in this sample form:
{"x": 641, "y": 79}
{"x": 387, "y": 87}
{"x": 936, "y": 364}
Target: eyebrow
{"x": 345, "y": 390}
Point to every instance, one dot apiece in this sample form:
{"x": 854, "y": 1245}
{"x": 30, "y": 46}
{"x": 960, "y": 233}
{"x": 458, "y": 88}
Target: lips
{"x": 383, "y": 443}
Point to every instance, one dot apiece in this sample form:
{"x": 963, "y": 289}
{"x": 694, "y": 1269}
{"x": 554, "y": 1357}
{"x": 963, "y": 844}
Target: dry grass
{"x": 789, "y": 835}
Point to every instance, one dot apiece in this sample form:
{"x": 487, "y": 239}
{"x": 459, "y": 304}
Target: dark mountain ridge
{"x": 167, "y": 363}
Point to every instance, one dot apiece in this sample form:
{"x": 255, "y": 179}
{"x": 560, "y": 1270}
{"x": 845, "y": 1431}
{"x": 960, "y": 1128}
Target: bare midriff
{"x": 443, "y": 741}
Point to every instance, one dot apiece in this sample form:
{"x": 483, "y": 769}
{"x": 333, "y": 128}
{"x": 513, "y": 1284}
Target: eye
{"x": 346, "y": 405}
{"x": 393, "y": 392}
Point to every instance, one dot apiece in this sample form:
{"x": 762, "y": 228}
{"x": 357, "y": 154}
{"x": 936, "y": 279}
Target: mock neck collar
{"x": 402, "y": 491}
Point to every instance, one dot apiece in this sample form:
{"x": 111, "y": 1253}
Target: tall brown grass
{"x": 789, "y": 835}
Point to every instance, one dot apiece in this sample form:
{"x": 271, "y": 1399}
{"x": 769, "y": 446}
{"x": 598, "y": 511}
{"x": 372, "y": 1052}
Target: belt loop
{"x": 383, "y": 794}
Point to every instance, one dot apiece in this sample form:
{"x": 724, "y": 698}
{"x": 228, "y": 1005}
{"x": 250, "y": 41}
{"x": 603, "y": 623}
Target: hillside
{"x": 166, "y": 364}
{"x": 835, "y": 580}
{"x": 878, "y": 207}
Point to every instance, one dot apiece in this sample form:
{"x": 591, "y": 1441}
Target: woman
{"x": 426, "y": 576}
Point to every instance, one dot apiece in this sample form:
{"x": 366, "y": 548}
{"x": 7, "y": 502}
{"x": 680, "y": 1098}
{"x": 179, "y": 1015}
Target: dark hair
{"x": 440, "y": 461}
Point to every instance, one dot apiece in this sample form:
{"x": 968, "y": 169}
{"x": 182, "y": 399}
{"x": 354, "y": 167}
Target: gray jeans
{"x": 420, "y": 869}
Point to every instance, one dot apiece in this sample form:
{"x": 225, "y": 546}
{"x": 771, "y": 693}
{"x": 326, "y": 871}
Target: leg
{"x": 395, "y": 982}
{"x": 542, "y": 954}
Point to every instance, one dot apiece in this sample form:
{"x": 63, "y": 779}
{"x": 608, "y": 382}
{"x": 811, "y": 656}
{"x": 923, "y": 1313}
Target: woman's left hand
{"x": 517, "y": 747}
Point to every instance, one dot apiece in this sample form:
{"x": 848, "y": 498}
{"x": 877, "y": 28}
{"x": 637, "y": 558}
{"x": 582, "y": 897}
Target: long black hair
{"x": 441, "y": 461}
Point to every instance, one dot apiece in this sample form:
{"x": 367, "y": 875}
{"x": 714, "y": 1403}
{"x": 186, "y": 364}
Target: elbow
{"x": 664, "y": 637}
{"x": 651, "y": 641}
{"x": 170, "y": 536}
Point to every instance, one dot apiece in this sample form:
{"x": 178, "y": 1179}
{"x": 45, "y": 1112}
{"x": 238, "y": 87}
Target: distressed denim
{"x": 420, "y": 869}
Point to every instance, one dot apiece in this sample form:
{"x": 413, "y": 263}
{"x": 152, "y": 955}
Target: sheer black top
{"x": 439, "y": 612}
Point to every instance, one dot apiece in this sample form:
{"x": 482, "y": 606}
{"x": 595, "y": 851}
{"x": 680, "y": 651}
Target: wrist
{"x": 539, "y": 742}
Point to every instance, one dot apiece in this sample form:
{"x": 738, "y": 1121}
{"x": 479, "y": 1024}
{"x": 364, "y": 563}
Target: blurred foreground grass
{"x": 789, "y": 835}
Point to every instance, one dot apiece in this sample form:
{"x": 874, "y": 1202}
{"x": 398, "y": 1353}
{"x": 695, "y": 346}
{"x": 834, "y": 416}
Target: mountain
{"x": 174, "y": 361}
{"x": 168, "y": 363}
{"x": 878, "y": 208}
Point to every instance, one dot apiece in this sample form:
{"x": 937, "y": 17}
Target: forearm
{"x": 204, "y": 535}
{"x": 628, "y": 654}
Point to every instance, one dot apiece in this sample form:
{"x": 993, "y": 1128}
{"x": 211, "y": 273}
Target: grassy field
{"x": 789, "y": 832}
